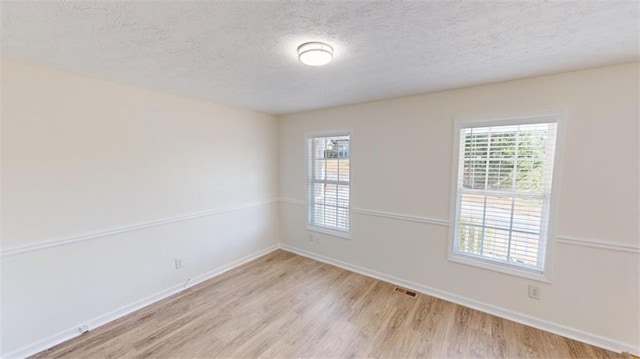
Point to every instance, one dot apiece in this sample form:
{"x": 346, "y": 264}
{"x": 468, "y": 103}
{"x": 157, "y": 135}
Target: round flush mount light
{"x": 315, "y": 53}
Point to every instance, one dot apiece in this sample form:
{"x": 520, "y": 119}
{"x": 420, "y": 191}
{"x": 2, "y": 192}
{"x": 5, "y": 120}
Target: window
{"x": 329, "y": 181}
{"x": 503, "y": 193}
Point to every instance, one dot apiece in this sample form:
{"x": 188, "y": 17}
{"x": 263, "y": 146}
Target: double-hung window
{"x": 328, "y": 158}
{"x": 503, "y": 193}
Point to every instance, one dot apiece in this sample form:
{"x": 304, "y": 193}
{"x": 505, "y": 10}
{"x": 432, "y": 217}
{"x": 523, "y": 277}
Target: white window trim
{"x": 331, "y": 232}
{"x": 560, "y": 117}
{"x": 319, "y": 229}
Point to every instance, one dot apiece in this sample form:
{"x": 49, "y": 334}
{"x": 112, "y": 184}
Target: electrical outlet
{"x": 314, "y": 237}
{"x": 179, "y": 263}
{"x": 534, "y": 292}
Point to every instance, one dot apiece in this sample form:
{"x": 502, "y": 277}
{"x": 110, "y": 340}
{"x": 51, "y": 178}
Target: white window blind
{"x": 503, "y": 193}
{"x": 329, "y": 181}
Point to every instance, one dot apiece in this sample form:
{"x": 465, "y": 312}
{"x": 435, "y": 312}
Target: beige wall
{"x": 149, "y": 172}
{"x": 82, "y": 156}
{"x": 402, "y": 161}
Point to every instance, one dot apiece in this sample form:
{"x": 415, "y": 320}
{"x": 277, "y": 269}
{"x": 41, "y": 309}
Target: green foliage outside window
{"x": 501, "y": 150}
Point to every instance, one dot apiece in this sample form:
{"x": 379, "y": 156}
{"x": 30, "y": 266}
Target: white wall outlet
{"x": 313, "y": 237}
{"x": 534, "y": 292}
{"x": 83, "y": 329}
{"x": 179, "y": 263}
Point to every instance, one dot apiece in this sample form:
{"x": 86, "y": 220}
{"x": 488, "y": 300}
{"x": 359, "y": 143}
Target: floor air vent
{"x": 405, "y": 292}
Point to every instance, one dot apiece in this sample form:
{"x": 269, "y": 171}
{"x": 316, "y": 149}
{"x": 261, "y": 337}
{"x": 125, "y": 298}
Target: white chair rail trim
{"x": 130, "y": 228}
{"x": 567, "y": 240}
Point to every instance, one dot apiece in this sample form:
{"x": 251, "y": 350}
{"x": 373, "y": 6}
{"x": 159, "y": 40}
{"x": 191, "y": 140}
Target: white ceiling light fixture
{"x": 315, "y": 53}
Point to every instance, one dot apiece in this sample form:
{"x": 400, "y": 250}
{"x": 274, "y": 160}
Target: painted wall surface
{"x": 82, "y": 156}
{"x": 402, "y": 164}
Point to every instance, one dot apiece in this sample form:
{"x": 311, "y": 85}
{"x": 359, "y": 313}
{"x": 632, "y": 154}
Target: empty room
{"x": 320, "y": 179}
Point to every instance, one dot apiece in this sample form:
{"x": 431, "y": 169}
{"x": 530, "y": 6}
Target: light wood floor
{"x": 283, "y": 305}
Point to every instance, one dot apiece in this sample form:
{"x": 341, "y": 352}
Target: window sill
{"x": 501, "y": 268}
{"x": 331, "y": 232}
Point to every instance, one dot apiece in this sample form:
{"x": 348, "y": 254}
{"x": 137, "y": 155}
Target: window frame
{"x": 545, "y": 274}
{"x": 309, "y": 202}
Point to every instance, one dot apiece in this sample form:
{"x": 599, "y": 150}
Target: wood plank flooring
{"x": 283, "y": 305}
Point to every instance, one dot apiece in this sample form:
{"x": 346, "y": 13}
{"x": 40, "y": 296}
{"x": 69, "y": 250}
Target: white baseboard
{"x": 579, "y": 335}
{"x": 558, "y": 329}
{"x": 73, "y": 332}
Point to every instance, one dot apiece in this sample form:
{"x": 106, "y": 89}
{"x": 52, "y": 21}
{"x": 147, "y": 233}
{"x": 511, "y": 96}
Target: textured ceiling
{"x": 242, "y": 53}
